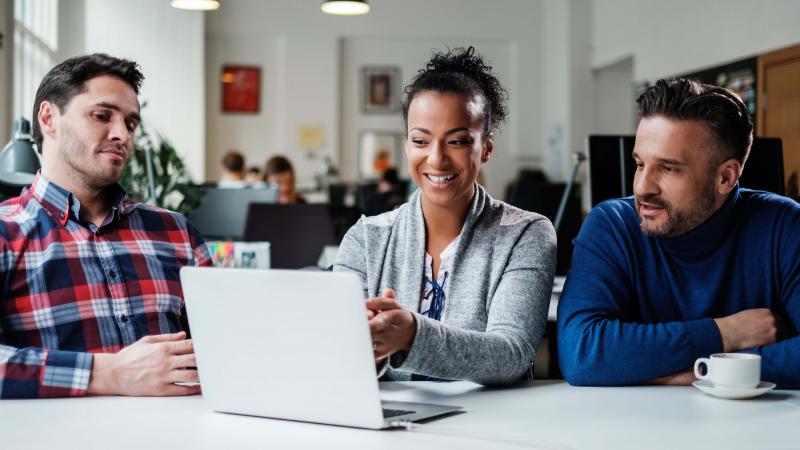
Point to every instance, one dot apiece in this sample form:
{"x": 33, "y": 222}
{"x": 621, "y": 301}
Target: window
{"x": 35, "y": 45}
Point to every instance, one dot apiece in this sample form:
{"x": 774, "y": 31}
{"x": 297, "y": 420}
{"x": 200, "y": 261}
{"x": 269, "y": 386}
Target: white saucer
{"x": 733, "y": 393}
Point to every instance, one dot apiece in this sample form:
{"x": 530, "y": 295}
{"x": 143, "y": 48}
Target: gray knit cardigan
{"x": 499, "y": 292}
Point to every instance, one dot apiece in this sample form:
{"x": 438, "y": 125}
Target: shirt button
{"x": 123, "y": 317}
{"x": 112, "y": 274}
{"x": 61, "y": 214}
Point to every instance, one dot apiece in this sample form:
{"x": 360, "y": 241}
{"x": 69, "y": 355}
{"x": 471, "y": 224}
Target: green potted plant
{"x": 171, "y": 185}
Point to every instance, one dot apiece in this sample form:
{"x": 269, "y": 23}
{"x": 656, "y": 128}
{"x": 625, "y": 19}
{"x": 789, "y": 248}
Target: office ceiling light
{"x": 195, "y": 5}
{"x": 345, "y": 7}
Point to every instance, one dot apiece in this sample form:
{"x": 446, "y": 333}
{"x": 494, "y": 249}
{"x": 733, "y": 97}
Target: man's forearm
{"x": 604, "y": 352}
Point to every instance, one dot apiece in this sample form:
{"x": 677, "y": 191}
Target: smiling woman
{"x": 457, "y": 283}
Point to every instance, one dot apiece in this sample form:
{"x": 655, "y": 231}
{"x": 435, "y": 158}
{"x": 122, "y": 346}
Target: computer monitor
{"x": 611, "y": 167}
{"x": 297, "y": 233}
{"x": 763, "y": 169}
{"x": 342, "y": 195}
{"x": 366, "y": 190}
{"x": 223, "y": 211}
{"x": 544, "y": 198}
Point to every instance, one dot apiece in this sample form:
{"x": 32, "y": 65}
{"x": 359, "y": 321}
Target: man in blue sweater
{"x": 692, "y": 264}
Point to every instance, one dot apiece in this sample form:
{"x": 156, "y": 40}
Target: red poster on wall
{"x": 241, "y": 88}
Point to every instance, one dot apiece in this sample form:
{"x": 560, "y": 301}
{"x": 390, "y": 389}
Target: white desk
{"x": 548, "y": 415}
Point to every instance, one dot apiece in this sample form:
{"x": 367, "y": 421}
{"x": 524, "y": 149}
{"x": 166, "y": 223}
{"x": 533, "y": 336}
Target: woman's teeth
{"x": 440, "y": 180}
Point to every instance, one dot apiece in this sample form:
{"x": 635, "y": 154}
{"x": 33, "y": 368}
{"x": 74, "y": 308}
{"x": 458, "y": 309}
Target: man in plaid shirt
{"x": 91, "y": 297}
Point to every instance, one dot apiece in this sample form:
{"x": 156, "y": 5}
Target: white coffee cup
{"x": 730, "y": 370}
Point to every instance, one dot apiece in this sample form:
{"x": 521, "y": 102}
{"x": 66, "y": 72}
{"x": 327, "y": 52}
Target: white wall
{"x": 671, "y": 37}
{"x": 168, "y": 44}
{"x": 71, "y": 29}
{"x": 567, "y": 97}
{"x": 324, "y": 52}
{"x": 614, "y": 102}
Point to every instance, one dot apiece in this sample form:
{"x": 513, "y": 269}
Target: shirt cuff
{"x": 410, "y": 361}
{"x": 65, "y": 374}
{"x": 704, "y": 337}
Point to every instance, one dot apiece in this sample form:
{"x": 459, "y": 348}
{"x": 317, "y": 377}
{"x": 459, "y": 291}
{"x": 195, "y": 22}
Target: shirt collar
{"x": 58, "y": 201}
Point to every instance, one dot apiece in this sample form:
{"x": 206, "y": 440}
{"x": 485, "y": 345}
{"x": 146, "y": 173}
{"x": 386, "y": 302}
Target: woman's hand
{"x": 393, "y": 328}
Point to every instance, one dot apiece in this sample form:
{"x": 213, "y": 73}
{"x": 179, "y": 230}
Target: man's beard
{"x": 83, "y": 166}
{"x": 679, "y": 222}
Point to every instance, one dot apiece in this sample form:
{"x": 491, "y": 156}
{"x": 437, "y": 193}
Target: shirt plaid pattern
{"x": 71, "y": 289}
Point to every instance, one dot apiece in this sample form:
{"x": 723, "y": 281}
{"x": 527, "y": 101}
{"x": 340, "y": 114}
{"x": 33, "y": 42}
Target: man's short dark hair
{"x": 233, "y": 161}
{"x": 722, "y": 112}
{"x": 69, "y": 78}
{"x": 276, "y": 165}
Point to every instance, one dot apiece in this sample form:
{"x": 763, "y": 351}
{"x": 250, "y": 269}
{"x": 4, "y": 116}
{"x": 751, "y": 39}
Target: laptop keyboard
{"x": 389, "y": 413}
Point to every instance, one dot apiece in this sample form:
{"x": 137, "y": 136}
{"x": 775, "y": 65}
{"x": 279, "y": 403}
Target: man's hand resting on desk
{"x": 676, "y": 379}
{"x": 149, "y": 367}
{"x": 747, "y": 329}
{"x": 393, "y": 328}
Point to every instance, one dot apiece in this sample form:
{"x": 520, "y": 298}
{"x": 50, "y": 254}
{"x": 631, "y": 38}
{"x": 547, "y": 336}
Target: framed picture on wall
{"x": 241, "y": 89}
{"x": 378, "y": 151}
{"x": 380, "y": 90}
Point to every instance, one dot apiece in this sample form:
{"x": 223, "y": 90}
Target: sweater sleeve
{"x": 516, "y": 318}
{"x": 600, "y": 340}
{"x": 351, "y": 256}
{"x": 780, "y": 362}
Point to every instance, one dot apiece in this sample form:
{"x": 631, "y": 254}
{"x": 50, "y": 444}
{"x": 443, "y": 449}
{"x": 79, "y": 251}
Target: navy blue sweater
{"x": 636, "y": 307}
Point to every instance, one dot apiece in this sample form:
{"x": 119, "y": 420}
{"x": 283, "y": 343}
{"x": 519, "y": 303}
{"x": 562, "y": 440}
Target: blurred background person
{"x": 254, "y": 176}
{"x": 231, "y": 170}
{"x": 280, "y": 171}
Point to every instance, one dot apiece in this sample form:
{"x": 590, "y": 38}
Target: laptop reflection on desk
{"x": 289, "y": 345}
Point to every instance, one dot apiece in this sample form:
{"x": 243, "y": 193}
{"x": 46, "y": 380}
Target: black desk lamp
{"x": 577, "y": 159}
{"x": 19, "y": 162}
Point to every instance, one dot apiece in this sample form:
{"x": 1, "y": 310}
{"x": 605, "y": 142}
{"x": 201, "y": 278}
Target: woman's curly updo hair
{"x": 461, "y": 71}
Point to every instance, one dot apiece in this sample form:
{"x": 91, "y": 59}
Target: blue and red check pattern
{"x": 71, "y": 289}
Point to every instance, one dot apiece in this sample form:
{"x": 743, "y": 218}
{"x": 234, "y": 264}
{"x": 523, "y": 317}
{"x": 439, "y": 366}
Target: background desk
{"x": 543, "y": 414}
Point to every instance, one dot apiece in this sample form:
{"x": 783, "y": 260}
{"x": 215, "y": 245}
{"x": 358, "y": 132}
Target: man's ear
{"x": 488, "y": 148}
{"x": 728, "y": 175}
{"x": 48, "y": 117}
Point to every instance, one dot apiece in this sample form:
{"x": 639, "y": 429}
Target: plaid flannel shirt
{"x": 71, "y": 289}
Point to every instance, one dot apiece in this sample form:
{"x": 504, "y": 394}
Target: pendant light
{"x": 345, "y": 7}
{"x": 195, "y": 5}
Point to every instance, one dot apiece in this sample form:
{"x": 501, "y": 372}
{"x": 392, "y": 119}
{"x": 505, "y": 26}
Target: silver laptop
{"x": 289, "y": 345}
